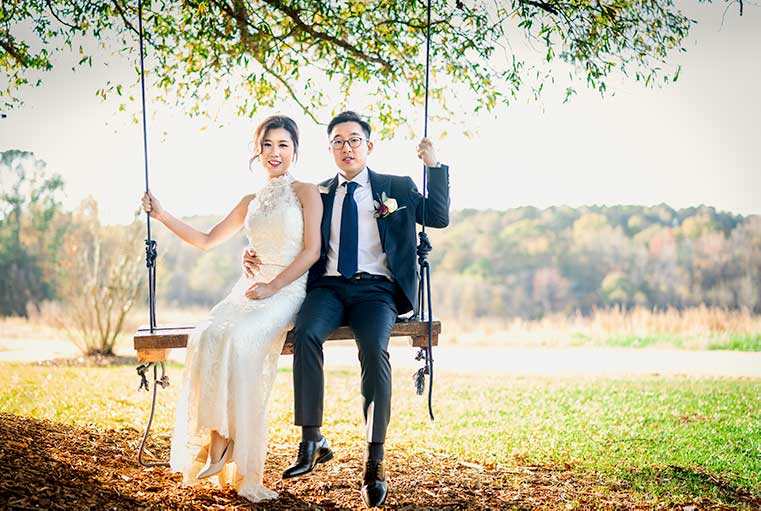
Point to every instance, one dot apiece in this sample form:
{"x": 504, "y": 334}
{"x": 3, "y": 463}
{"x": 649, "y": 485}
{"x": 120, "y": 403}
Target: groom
{"x": 366, "y": 276}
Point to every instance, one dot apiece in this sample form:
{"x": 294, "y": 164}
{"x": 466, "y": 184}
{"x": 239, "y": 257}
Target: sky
{"x": 695, "y": 141}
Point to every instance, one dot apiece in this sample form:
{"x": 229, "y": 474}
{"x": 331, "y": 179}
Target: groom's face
{"x": 350, "y": 160}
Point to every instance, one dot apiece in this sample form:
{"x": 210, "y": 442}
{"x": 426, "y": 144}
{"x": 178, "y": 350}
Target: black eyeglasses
{"x": 353, "y": 142}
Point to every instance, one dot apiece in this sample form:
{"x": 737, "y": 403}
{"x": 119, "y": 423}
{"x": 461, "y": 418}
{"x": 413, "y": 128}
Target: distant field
{"x": 699, "y": 328}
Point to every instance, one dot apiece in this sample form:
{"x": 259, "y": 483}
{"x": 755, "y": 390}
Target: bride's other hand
{"x": 250, "y": 262}
{"x": 152, "y": 205}
{"x": 260, "y": 291}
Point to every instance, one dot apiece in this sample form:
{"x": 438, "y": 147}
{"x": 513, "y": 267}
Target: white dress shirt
{"x": 371, "y": 258}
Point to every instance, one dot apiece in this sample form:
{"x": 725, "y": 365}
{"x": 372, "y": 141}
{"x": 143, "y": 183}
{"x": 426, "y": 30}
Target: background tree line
{"x": 522, "y": 262}
{"x": 528, "y": 262}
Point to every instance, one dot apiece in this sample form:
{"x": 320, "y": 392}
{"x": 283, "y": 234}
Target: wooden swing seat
{"x": 154, "y": 347}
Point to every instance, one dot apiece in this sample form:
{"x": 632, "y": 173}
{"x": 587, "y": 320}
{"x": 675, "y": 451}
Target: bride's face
{"x": 277, "y": 152}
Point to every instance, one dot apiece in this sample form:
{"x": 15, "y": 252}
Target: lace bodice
{"x": 275, "y": 226}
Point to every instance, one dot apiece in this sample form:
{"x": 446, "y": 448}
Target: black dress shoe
{"x": 310, "y": 454}
{"x": 374, "y": 487}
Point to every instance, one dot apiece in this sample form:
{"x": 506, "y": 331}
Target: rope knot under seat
{"x": 424, "y": 247}
{"x": 150, "y": 253}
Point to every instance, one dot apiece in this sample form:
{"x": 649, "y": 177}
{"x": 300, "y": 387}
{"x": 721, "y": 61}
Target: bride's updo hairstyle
{"x": 274, "y": 122}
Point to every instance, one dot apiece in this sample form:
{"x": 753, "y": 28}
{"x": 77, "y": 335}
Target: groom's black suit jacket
{"x": 397, "y": 230}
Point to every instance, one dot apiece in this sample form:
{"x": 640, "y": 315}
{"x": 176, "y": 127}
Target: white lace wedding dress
{"x": 232, "y": 358}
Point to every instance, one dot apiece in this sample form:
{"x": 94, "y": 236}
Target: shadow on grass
{"x": 48, "y": 465}
{"x": 61, "y": 466}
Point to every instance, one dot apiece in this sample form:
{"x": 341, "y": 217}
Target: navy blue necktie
{"x": 348, "y": 249}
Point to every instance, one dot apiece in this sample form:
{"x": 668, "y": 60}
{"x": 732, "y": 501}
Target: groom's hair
{"x": 349, "y": 116}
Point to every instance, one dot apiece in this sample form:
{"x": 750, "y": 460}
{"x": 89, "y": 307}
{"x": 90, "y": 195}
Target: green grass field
{"x": 722, "y": 341}
{"x": 666, "y": 439}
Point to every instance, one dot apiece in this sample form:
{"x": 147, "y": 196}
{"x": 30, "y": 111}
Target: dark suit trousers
{"x": 367, "y": 306}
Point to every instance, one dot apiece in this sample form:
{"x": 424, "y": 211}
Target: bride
{"x": 221, "y": 417}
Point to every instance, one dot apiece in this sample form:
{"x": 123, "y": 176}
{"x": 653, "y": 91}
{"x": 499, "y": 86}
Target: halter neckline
{"x": 283, "y": 179}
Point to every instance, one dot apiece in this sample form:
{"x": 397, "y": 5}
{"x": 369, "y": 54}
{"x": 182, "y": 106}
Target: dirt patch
{"x": 689, "y": 418}
{"x": 58, "y": 466}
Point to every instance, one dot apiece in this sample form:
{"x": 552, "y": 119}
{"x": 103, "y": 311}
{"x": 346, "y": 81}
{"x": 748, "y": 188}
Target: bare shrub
{"x": 100, "y": 280}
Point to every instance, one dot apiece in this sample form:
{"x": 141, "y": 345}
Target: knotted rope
{"x": 151, "y": 254}
{"x": 150, "y": 245}
{"x": 423, "y": 249}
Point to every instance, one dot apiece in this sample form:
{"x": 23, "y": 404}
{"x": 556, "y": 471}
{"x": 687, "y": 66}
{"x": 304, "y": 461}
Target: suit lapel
{"x": 380, "y": 185}
{"x": 327, "y": 211}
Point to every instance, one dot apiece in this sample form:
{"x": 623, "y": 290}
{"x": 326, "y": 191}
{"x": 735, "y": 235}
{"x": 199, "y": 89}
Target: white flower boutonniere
{"x": 386, "y": 206}
{"x": 323, "y": 189}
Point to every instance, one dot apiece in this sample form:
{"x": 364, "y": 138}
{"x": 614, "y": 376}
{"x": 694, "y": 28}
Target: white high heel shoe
{"x": 214, "y": 468}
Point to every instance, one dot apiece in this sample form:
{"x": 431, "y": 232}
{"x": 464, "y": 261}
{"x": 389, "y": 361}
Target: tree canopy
{"x": 260, "y": 51}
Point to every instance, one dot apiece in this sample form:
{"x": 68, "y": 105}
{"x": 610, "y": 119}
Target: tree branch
{"x": 13, "y": 52}
{"x": 290, "y": 91}
{"x": 294, "y": 15}
{"x": 281, "y": 39}
{"x": 408, "y": 24}
{"x": 124, "y": 18}
{"x": 545, "y": 6}
{"x": 55, "y": 15}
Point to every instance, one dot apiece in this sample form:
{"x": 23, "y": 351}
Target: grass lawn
{"x": 665, "y": 441}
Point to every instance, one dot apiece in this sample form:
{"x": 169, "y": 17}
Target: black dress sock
{"x": 375, "y": 451}
{"x": 310, "y": 434}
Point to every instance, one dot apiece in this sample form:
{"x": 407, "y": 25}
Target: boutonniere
{"x": 386, "y": 206}
{"x": 323, "y": 189}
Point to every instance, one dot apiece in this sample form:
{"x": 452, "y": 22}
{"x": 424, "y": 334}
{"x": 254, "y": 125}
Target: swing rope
{"x": 423, "y": 249}
{"x": 150, "y": 261}
{"x": 150, "y": 244}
